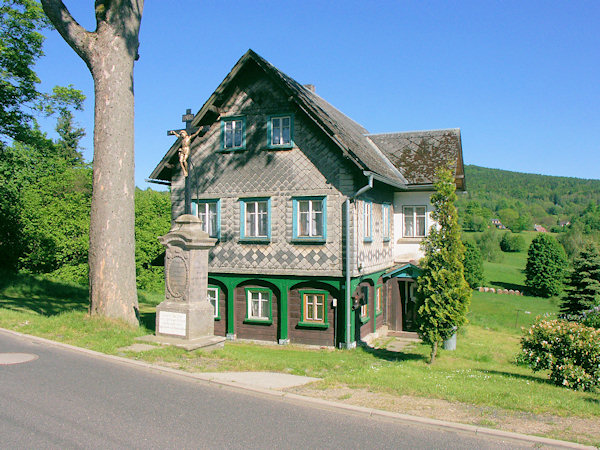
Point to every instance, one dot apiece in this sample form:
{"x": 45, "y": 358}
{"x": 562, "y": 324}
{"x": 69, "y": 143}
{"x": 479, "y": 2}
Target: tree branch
{"x": 74, "y": 34}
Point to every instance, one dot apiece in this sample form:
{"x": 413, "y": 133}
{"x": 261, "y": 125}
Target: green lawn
{"x": 482, "y": 371}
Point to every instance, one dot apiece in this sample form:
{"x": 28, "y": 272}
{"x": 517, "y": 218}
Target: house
{"x": 318, "y": 222}
{"x": 540, "y": 228}
{"x": 498, "y": 224}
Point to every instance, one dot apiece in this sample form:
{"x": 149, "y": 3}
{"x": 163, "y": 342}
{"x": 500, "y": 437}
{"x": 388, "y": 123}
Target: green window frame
{"x": 255, "y": 219}
{"x": 259, "y": 308}
{"x": 309, "y": 218}
{"x": 378, "y": 299}
{"x": 212, "y": 293}
{"x": 313, "y": 309}
{"x": 209, "y": 212}
{"x": 233, "y": 133}
{"x": 280, "y": 131}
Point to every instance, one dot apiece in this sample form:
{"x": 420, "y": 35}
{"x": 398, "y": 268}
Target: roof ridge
{"x": 412, "y": 131}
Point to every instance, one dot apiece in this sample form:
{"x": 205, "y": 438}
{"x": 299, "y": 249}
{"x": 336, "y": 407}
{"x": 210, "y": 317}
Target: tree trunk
{"x": 434, "y": 347}
{"x": 112, "y": 221}
{"x": 109, "y": 53}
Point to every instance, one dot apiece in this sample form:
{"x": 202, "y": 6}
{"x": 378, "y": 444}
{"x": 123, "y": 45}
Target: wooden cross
{"x": 187, "y": 118}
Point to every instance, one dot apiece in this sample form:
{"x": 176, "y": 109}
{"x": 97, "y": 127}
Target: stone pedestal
{"x": 186, "y": 317}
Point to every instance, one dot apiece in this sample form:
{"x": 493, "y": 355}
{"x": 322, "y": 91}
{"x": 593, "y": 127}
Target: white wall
{"x": 408, "y": 249}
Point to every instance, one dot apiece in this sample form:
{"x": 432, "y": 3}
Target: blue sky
{"x": 520, "y": 79}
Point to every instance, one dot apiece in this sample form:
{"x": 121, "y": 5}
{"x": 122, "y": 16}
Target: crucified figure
{"x": 184, "y": 150}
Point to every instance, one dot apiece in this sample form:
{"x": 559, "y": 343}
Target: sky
{"x": 521, "y": 79}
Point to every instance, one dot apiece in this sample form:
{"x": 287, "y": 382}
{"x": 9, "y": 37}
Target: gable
{"x": 418, "y": 154}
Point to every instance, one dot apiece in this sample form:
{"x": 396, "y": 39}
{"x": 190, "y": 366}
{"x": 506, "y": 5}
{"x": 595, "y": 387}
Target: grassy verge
{"x": 481, "y": 371}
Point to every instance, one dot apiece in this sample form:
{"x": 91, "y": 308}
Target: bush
{"x": 582, "y": 291}
{"x": 571, "y": 351}
{"x": 512, "y": 243}
{"x": 545, "y": 269}
{"x": 488, "y": 243}
{"x": 473, "y": 263}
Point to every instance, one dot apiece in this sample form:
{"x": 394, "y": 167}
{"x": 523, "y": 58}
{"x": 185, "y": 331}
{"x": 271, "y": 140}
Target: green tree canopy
{"x": 546, "y": 264}
{"x": 20, "y": 47}
{"x": 582, "y": 290}
{"x": 443, "y": 295}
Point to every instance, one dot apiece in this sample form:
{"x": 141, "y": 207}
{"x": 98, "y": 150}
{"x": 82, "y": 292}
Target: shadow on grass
{"x": 148, "y": 319}
{"x": 392, "y": 356}
{"x": 25, "y": 292}
{"x": 513, "y": 286}
{"x": 517, "y": 376}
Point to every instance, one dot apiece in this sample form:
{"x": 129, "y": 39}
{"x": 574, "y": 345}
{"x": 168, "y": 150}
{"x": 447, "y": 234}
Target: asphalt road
{"x": 67, "y": 399}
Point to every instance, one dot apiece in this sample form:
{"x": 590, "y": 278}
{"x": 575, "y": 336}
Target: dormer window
{"x": 280, "y": 131}
{"x": 233, "y": 133}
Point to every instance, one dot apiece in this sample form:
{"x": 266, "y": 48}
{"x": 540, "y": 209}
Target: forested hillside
{"x": 540, "y": 199}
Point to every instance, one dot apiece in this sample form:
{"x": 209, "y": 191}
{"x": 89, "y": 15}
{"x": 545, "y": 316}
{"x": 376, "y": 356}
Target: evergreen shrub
{"x": 511, "y": 242}
{"x": 473, "y": 263}
{"x": 582, "y": 292}
{"x": 569, "y": 350}
{"x": 545, "y": 269}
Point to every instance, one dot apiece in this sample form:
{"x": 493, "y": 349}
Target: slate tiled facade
{"x": 302, "y": 282}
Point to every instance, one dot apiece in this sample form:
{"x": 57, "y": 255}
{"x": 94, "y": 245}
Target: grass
{"x": 482, "y": 371}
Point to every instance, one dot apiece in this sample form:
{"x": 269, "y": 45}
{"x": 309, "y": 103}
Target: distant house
{"x": 498, "y": 224}
{"x": 318, "y": 222}
{"x": 564, "y": 223}
{"x": 539, "y": 228}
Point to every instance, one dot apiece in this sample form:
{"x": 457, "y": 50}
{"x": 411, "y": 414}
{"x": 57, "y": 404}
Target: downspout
{"x": 348, "y": 261}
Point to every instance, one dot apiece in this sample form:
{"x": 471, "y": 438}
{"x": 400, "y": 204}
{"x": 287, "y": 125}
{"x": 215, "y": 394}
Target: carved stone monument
{"x": 186, "y": 317}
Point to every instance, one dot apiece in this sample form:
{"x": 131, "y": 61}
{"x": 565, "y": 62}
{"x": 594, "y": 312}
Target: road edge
{"x": 370, "y": 412}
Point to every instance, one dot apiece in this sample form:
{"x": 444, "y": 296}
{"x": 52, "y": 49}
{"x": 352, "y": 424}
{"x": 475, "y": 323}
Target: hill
{"x": 541, "y": 199}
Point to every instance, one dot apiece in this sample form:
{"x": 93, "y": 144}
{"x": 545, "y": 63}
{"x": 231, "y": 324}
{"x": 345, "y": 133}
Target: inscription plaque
{"x": 172, "y": 323}
{"x": 177, "y": 277}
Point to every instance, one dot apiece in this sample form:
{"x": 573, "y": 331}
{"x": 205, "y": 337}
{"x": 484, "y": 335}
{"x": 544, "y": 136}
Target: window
{"x": 385, "y": 219}
{"x": 368, "y": 224}
{"x": 213, "y": 298}
{"x": 208, "y": 211}
{"x": 255, "y": 221}
{"x": 364, "y": 311}
{"x": 378, "y": 299}
{"x": 414, "y": 221}
{"x": 314, "y": 309}
{"x": 233, "y": 133}
{"x": 258, "y": 303}
{"x": 280, "y": 131}
{"x": 310, "y": 219}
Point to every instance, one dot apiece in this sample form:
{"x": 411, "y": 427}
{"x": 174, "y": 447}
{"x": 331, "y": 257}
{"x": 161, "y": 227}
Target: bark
{"x": 110, "y": 52}
{"x": 434, "y": 347}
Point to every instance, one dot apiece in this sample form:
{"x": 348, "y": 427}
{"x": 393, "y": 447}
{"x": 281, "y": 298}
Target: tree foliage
{"x": 545, "y": 269}
{"x": 473, "y": 263}
{"x": 20, "y": 47}
{"x": 511, "y": 242}
{"x": 443, "y": 295}
{"x": 582, "y": 290}
{"x": 542, "y": 199}
{"x": 152, "y": 219}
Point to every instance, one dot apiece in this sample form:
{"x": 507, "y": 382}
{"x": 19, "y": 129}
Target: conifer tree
{"x": 443, "y": 295}
{"x": 583, "y": 284}
{"x": 545, "y": 269}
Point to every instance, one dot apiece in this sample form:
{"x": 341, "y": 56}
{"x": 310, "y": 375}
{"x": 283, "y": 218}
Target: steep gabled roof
{"x": 419, "y": 153}
{"x": 346, "y": 133}
{"x": 399, "y": 159}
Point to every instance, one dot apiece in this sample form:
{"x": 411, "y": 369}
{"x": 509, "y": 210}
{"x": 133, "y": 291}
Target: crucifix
{"x": 186, "y": 136}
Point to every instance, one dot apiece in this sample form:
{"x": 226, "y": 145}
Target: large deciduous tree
{"x": 443, "y": 295}
{"x": 109, "y": 52}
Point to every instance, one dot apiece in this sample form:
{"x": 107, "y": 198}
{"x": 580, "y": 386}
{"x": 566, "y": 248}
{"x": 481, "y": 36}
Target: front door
{"x": 409, "y": 310}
